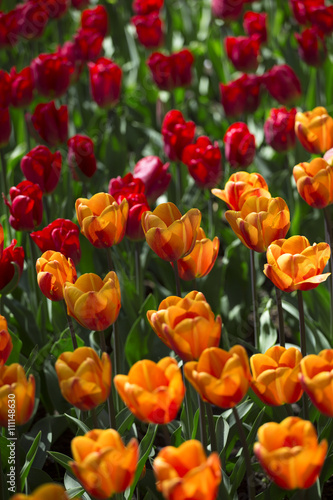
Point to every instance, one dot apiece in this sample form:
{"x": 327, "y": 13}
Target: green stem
{"x": 329, "y": 239}
{"x": 202, "y": 422}
{"x": 109, "y": 259}
{"x": 178, "y": 287}
{"x": 138, "y": 272}
{"x": 27, "y": 134}
{"x": 187, "y": 403}
{"x": 254, "y": 300}
{"x": 5, "y": 190}
{"x": 166, "y": 434}
{"x": 94, "y": 418}
{"x": 1, "y": 305}
{"x": 282, "y": 336}
{"x": 211, "y": 228}
{"x": 211, "y": 427}
{"x": 111, "y": 412}
{"x": 179, "y": 184}
{"x": 71, "y": 327}
{"x": 246, "y": 453}
{"x": 301, "y": 322}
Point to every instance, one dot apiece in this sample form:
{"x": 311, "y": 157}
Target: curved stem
{"x": 282, "y": 336}
{"x": 254, "y": 300}
{"x": 249, "y": 472}
{"x": 301, "y": 322}
{"x": 178, "y": 287}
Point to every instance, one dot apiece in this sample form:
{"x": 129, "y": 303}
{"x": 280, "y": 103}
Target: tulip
{"x": 5, "y": 127}
{"x": 96, "y": 18}
{"x": 260, "y": 221}
{"x": 52, "y": 74}
{"x": 103, "y": 464}
{"x": 240, "y": 186}
{"x": 241, "y": 95}
{"x": 62, "y": 235}
{"x": 311, "y": 46}
{"x": 314, "y": 182}
{"x": 177, "y": 134}
{"x": 5, "y": 89}
{"x": 279, "y": 129}
{"x": 170, "y": 72}
{"x": 169, "y": 234}
{"x": 255, "y": 24}
{"x": 144, "y": 7}
{"x": 22, "y": 87}
{"x": 240, "y": 147}
{"x": 6, "y": 344}
{"x": 149, "y": 29}
{"x": 26, "y": 208}
{"x": 88, "y": 43}
{"x": 204, "y": 162}
{"x": 316, "y": 380}
{"x": 187, "y": 326}
{"x": 221, "y": 378}
{"x": 282, "y": 83}
{"x": 50, "y": 123}
{"x": 314, "y": 129}
{"x": 33, "y": 19}
{"x": 102, "y": 220}
{"x": 42, "y": 167}
{"x": 228, "y": 10}
{"x": 152, "y": 391}
{"x": 302, "y": 8}
{"x": 289, "y": 452}
{"x": 93, "y": 302}
{"x": 81, "y": 156}
{"x": 154, "y": 175}
{"x": 84, "y": 378}
{"x": 53, "y": 270}
{"x": 293, "y": 264}
{"x": 2, "y": 237}
{"x": 243, "y": 52}
{"x": 56, "y": 8}
{"x": 126, "y": 186}
{"x": 9, "y": 28}
{"x": 80, "y": 4}
{"x": 72, "y": 52}
{"x": 13, "y": 381}
{"x": 105, "y": 82}
{"x": 275, "y": 375}
{"x": 322, "y": 18}
{"x": 185, "y": 472}
{"x": 45, "y": 492}
{"x": 11, "y": 267}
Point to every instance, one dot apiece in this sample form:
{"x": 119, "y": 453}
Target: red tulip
{"x": 33, "y": 18}
{"x": 88, "y": 43}
{"x": 322, "y": 18}
{"x": 80, "y": 4}
{"x": 52, "y": 74}
{"x": 301, "y": 8}
{"x": 241, "y": 95}
{"x": 154, "y": 175}
{"x": 243, "y": 52}
{"x": 144, "y": 7}
{"x": 62, "y": 235}
{"x": 279, "y": 129}
{"x": 172, "y": 71}
{"x": 255, "y": 24}
{"x": 125, "y": 186}
{"x": 240, "y": 147}
{"x": 5, "y": 88}
{"x": 203, "y": 160}
{"x": 26, "y": 208}
{"x": 81, "y": 156}
{"x": 177, "y": 134}
{"x": 149, "y": 29}
{"x": 5, "y": 126}
{"x": 22, "y": 87}
{"x": 51, "y": 123}
{"x": 72, "y": 52}
{"x": 311, "y": 46}
{"x": 282, "y": 83}
{"x": 42, "y": 167}
{"x": 96, "y": 19}
{"x": 56, "y": 8}
{"x": 9, "y": 28}
{"x": 11, "y": 267}
{"x": 105, "y": 82}
{"x": 228, "y": 10}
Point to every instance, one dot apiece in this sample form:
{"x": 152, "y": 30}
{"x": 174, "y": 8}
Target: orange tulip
{"x": 289, "y": 452}
{"x": 93, "y": 302}
{"x": 53, "y": 270}
{"x": 186, "y": 473}
{"x": 84, "y": 378}
{"x": 201, "y": 260}
{"x": 314, "y": 130}
{"x": 317, "y": 380}
{"x": 45, "y": 492}
{"x": 260, "y": 221}
{"x": 240, "y": 186}
{"x": 17, "y": 395}
{"x": 102, "y": 220}
{"x": 188, "y": 325}
{"x": 152, "y": 391}
{"x": 102, "y": 463}
{"x": 314, "y": 182}
{"x": 293, "y": 264}
{"x": 275, "y": 375}
{"x": 169, "y": 234}
{"x": 220, "y": 377}
{"x": 6, "y": 344}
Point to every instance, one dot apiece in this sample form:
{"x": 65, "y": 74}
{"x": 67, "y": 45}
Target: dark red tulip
{"x": 105, "y": 82}
{"x": 282, "y": 83}
{"x": 5, "y": 126}
{"x": 172, "y": 71}
{"x": 42, "y": 167}
{"x": 62, "y": 235}
{"x": 301, "y": 8}
{"x": 203, "y": 160}
{"x": 22, "y": 87}
{"x": 176, "y": 133}
{"x": 311, "y": 46}
{"x": 9, "y": 28}
{"x": 26, "y": 206}
{"x": 322, "y": 18}
{"x": 11, "y": 267}
{"x": 80, "y": 4}
{"x": 55, "y": 8}
{"x": 33, "y": 19}
{"x": 149, "y": 29}
{"x": 243, "y": 52}
{"x": 52, "y": 74}
{"x": 154, "y": 175}
{"x": 81, "y": 156}
{"x": 89, "y": 44}
{"x": 125, "y": 186}
{"x": 51, "y": 123}
{"x": 144, "y": 7}
{"x": 71, "y": 51}
{"x": 241, "y": 95}
{"x": 240, "y": 147}
{"x": 96, "y": 19}
{"x": 255, "y": 24}
{"x": 228, "y": 10}
{"x": 279, "y": 129}
{"x": 5, "y": 89}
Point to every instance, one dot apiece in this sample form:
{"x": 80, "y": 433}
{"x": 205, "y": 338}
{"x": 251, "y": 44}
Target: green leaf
{"x": 61, "y": 459}
{"x": 79, "y": 423}
{"x": 124, "y": 420}
{"x": 65, "y": 344}
{"x": 268, "y": 334}
{"x": 29, "y": 459}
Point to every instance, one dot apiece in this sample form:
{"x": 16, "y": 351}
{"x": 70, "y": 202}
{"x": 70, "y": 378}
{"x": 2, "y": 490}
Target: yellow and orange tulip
{"x": 188, "y": 325}
{"x": 293, "y": 264}
{"x": 314, "y": 130}
{"x": 289, "y": 452}
{"x": 102, "y": 463}
{"x": 53, "y": 270}
{"x": 169, "y": 234}
{"x": 222, "y": 378}
{"x": 45, "y": 492}
{"x": 152, "y": 391}
{"x": 13, "y": 382}
{"x": 6, "y": 344}
{"x": 260, "y": 221}
{"x": 275, "y": 375}
{"x": 102, "y": 220}
{"x": 93, "y": 302}
{"x": 314, "y": 182}
{"x": 186, "y": 473}
{"x": 317, "y": 380}
{"x": 84, "y": 378}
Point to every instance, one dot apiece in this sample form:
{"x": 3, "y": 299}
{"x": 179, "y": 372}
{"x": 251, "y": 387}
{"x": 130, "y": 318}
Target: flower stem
{"x": 179, "y": 186}
{"x": 329, "y": 239}
{"x": 109, "y": 258}
{"x": 71, "y": 327}
{"x": 254, "y": 300}
{"x": 282, "y": 336}
{"x": 249, "y": 472}
{"x": 3, "y": 171}
{"x": 166, "y": 434}
{"x": 202, "y": 422}
{"x": 210, "y": 216}
{"x": 112, "y": 415}
{"x": 187, "y": 403}
{"x": 178, "y": 287}
{"x": 138, "y": 272}
{"x": 301, "y": 322}
{"x": 211, "y": 427}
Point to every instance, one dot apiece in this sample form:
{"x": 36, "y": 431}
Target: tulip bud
{"x": 177, "y": 134}
{"x": 13, "y": 381}
{"x": 240, "y": 147}
{"x": 26, "y": 208}
{"x": 9, "y": 28}
{"x": 42, "y": 167}
{"x": 255, "y": 24}
{"x": 62, "y": 235}
{"x": 50, "y": 123}
{"x": 52, "y": 74}
{"x": 105, "y": 82}
{"x": 96, "y": 19}
{"x": 154, "y": 175}
{"x": 22, "y": 87}
{"x": 149, "y": 29}
{"x": 170, "y": 72}
{"x": 243, "y": 52}
{"x": 53, "y": 270}
{"x": 314, "y": 182}
{"x": 144, "y": 7}
{"x": 311, "y": 46}
{"x": 282, "y": 83}
{"x": 240, "y": 186}
{"x": 279, "y": 129}
{"x": 88, "y": 43}
{"x": 241, "y": 95}
{"x": 6, "y": 344}
{"x": 316, "y": 380}
{"x": 81, "y": 156}
{"x": 314, "y": 129}
{"x": 204, "y": 162}
{"x": 322, "y": 18}
{"x": 33, "y": 19}
{"x": 228, "y": 10}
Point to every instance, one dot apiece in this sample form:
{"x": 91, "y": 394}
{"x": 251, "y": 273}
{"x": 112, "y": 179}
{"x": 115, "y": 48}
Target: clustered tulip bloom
{"x": 177, "y": 134}
{"x": 240, "y": 186}
{"x": 102, "y": 463}
{"x": 93, "y": 302}
{"x": 275, "y": 375}
{"x": 221, "y": 378}
{"x": 26, "y": 207}
{"x": 53, "y": 270}
{"x": 316, "y": 380}
{"x": 105, "y": 82}
{"x": 241, "y": 95}
{"x": 152, "y": 391}
{"x": 314, "y": 182}
{"x": 45, "y": 492}
{"x": 51, "y": 123}
{"x": 187, "y": 326}
{"x": 84, "y": 378}
{"x": 13, "y": 381}
{"x": 289, "y": 452}
{"x": 154, "y": 175}
{"x": 42, "y": 167}
{"x": 11, "y": 267}
{"x": 169, "y": 234}
{"x": 204, "y": 162}
{"x": 62, "y": 235}
{"x": 170, "y": 72}
{"x": 279, "y": 129}
{"x": 185, "y": 472}
{"x": 314, "y": 130}
{"x": 81, "y": 156}
{"x": 282, "y": 84}
{"x": 240, "y": 146}
{"x": 255, "y": 24}
{"x": 6, "y": 344}
{"x": 293, "y": 264}
{"x": 243, "y": 52}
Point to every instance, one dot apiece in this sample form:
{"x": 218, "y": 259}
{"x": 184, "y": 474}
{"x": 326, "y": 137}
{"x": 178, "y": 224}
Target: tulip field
{"x": 166, "y": 225}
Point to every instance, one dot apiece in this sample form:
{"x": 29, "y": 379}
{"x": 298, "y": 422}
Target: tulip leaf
{"x": 74, "y": 488}
{"x": 65, "y": 343}
{"x": 17, "y": 346}
{"x": 268, "y": 334}
{"x": 78, "y": 422}
{"x": 195, "y": 424}
{"x": 124, "y": 420}
{"x": 61, "y": 459}
{"x": 29, "y": 459}
{"x": 75, "y": 492}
